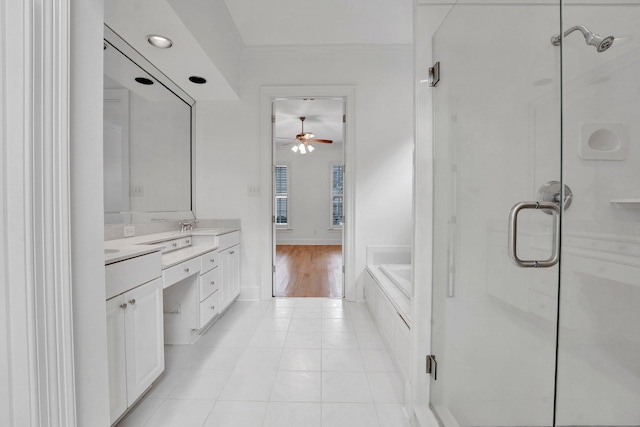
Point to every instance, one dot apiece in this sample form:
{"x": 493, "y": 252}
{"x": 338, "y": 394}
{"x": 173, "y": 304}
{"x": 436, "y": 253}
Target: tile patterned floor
{"x": 299, "y": 362}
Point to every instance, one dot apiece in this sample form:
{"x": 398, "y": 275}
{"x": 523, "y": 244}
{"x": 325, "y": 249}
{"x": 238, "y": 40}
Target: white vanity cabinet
{"x": 229, "y": 264}
{"x": 135, "y": 344}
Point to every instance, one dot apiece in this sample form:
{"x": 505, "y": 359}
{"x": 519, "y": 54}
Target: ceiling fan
{"x": 302, "y": 143}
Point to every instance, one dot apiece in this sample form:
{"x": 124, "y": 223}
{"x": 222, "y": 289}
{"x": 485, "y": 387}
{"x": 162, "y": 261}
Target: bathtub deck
{"x": 308, "y": 271}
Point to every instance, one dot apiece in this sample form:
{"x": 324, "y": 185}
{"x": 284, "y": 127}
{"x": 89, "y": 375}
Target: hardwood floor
{"x": 308, "y": 271}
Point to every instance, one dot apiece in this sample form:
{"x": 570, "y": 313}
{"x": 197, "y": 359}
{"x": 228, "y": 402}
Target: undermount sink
{"x": 111, "y": 251}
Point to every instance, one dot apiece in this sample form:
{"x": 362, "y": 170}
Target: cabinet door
{"x": 117, "y": 360}
{"x": 144, "y": 337}
{"x": 223, "y": 265}
{"x": 234, "y": 271}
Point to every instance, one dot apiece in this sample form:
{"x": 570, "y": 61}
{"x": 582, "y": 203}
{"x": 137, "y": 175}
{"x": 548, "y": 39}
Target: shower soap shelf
{"x": 626, "y": 203}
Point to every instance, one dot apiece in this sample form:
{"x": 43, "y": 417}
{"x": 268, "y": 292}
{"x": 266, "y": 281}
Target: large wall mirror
{"x": 148, "y": 125}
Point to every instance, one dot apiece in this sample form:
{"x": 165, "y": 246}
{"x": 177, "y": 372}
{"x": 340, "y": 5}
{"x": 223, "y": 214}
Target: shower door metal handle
{"x": 513, "y": 234}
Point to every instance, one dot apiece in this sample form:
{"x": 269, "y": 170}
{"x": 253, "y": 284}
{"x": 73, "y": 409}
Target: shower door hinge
{"x": 273, "y": 118}
{"x": 344, "y": 118}
{"x": 432, "y": 366}
{"x": 434, "y": 74}
{"x": 273, "y": 268}
{"x": 343, "y": 269}
{"x": 273, "y": 219}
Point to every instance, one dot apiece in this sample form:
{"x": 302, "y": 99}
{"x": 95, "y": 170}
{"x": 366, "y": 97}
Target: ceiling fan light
{"x": 295, "y": 148}
{"x": 302, "y": 149}
{"x": 310, "y": 147}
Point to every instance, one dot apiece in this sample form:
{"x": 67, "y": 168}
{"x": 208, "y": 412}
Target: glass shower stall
{"x": 536, "y": 280}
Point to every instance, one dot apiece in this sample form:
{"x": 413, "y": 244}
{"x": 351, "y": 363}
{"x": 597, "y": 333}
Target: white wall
{"x": 228, "y": 133}
{"x": 87, "y": 226}
{"x": 309, "y": 196}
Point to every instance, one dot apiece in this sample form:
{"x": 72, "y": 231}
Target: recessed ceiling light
{"x": 198, "y": 80}
{"x": 161, "y": 42}
{"x": 144, "y": 80}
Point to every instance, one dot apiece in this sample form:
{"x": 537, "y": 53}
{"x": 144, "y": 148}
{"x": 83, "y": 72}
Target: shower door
{"x": 497, "y": 142}
{"x": 521, "y": 119}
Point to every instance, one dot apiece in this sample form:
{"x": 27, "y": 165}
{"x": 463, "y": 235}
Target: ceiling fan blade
{"x": 323, "y": 141}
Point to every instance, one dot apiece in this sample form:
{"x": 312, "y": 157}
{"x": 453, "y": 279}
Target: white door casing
{"x": 268, "y": 95}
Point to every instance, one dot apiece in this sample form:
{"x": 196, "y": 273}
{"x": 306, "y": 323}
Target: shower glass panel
{"x": 497, "y": 141}
{"x": 599, "y": 336}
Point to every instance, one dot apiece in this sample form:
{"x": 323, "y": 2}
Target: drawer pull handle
{"x": 174, "y": 244}
{"x": 213, "y": 282}
{"x": 186, "y": 270}
{"x": 132, "y": 301}
{"x": 123, "y": 306}
{"x": 232, "y": 252}
{"x": 213, "y": 260}
{"x": 188, "y": 241}
{"x": 213, "y": 307}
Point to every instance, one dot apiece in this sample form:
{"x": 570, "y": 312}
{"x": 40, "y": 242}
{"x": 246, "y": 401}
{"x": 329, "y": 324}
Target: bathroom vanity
{"x": 163, "y": 288}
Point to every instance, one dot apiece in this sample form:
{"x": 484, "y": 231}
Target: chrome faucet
{"x": 187, "y": 225}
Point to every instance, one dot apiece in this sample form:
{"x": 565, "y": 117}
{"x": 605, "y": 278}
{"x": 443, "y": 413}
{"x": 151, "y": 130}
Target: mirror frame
{"x": 115, "y": 41}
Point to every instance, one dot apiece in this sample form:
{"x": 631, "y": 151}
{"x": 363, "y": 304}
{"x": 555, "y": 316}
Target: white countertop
{"x": 131, "y": 247}
{"x": 180, "y": 255}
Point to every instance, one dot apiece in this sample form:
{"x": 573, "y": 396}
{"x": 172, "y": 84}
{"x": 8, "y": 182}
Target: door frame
{"x": 268, "y": 94}
{"x": 273, "y": 189}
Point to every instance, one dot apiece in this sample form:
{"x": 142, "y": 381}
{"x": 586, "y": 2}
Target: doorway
{"x": 308, "y": 196}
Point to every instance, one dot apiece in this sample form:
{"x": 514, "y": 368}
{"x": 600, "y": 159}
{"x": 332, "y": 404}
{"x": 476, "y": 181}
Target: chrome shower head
{"x": 600, "y": 43}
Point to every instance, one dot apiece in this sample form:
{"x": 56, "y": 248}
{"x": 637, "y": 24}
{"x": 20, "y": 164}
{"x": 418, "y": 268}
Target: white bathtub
{"x": 394, "y": 280}
{"x": 400, "y": 275}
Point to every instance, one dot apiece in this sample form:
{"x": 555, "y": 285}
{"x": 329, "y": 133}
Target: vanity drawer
{"x": 181, "y": 271}
{"x": 209, "y": 283}
{"x": 208, "y": 261}
{"x": 124, "y": 275}
{"x": 209, "y": 308}
{"x": 172, "y": 245}
{"x": 229, "y": 239}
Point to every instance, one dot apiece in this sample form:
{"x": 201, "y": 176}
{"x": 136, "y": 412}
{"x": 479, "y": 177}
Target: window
{"x": 337, "y": 197}
{"x": 282, "y": 196}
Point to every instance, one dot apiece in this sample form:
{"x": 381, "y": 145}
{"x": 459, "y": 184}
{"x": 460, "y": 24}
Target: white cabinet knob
{"x": 123, "y": 306}
{"x": 132, "y": 301}
{"x": 186, "y": 270}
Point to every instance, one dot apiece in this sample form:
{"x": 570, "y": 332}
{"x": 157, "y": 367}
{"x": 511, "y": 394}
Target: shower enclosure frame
{"x": 571, "y": 94}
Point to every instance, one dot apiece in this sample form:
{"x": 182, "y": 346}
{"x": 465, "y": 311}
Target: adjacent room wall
{"x": 309, "y": 196}
{"x": 228, "y": 133}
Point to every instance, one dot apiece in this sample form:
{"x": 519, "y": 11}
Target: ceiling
{"x": 323, "y": 118}
{"x": 211, "y": 36}
{"x": 322, "y": 22}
